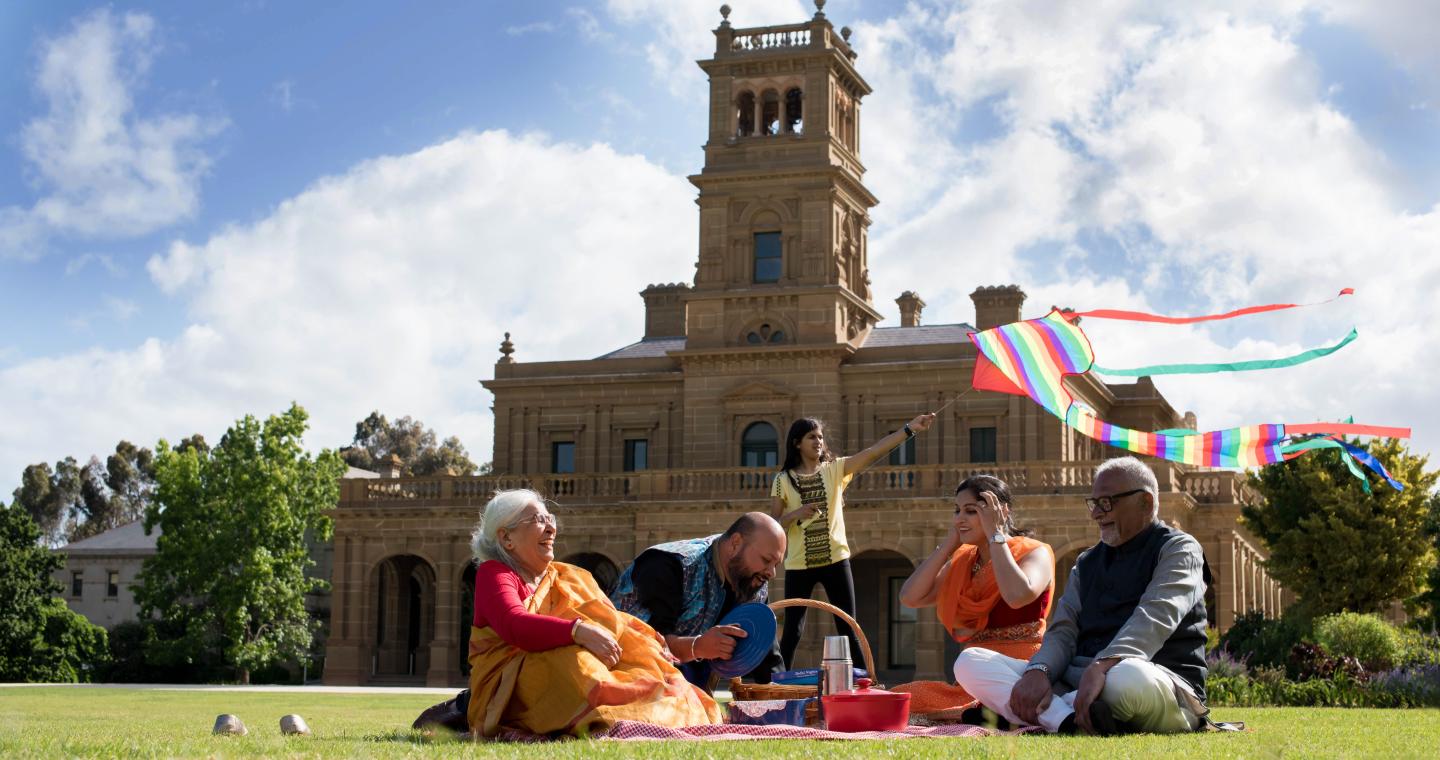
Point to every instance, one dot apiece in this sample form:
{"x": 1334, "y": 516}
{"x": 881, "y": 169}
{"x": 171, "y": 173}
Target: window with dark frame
{"x": 904, "y": 454}
{"x": 112, "y": 584}
{"x": 902, "y": 629}
{"x": 982, "y": 444}
{"x": 637, "y": 454}
{"x": 77, "y": 583}
{"x": 767, "y": 257}
{"x": 562, "y": 457}
{"x": 760, "y": 446}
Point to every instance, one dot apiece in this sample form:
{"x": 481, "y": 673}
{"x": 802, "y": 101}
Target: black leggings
{"x": 839, "y": 586}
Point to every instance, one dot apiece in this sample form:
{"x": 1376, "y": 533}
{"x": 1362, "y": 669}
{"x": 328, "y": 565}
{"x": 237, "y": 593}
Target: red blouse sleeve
{"x": 499, "y": 603}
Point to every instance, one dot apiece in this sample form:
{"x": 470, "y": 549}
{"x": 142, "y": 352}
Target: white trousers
{"x": 1138, "y": 692}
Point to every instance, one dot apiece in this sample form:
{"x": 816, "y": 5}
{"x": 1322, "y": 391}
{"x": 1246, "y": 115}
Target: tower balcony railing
{"x": 745, "y": 483}
{"x": 771, "y": 38}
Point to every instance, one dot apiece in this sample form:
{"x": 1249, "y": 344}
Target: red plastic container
{"x": 866, "y": 709}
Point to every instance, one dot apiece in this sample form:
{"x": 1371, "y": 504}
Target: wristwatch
{"x": 998, "y": 537}
{"x": 1040, "y": 666}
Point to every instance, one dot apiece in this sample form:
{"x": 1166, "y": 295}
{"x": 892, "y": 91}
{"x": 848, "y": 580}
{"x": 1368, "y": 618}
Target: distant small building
{"x": 100, "y": 571}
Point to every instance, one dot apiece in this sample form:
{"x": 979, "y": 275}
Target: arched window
{"x": 745, "y": 119}
{"x": 760, "y": 446}
{"x": 794, "y": 118}
{"x": 765, "y": 334}
{"x": 770, "y": 113}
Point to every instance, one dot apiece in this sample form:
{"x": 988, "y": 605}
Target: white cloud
{"x": 534, "y": 27}
{"x": 388, "y": 287}
{"x": 1200, "y": 138}
{"x": 101, "y": 168}
{"x": 104, "y": 260}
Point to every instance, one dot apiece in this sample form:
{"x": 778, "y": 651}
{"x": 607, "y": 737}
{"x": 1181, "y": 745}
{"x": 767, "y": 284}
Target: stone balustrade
{"x": 771, "y": 38}
{"x": 738, "y": 483}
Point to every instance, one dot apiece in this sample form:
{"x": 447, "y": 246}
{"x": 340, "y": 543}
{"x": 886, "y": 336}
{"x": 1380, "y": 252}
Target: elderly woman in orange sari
{"x": 549, "y": 653}
{"x": 990, "y": 585}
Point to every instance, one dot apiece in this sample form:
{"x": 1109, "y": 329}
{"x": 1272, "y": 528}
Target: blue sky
{"x": 212, "y": 209}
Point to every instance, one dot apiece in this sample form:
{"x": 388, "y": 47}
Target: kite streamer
{"x": 1031, "y": 358}
{"x": 1245, "y": 366}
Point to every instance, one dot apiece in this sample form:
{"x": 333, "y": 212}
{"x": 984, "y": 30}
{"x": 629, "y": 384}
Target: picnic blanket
{"x": 629, "y": 730}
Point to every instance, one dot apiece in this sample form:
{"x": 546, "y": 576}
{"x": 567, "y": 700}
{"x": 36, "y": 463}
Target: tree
{"x": 1337, "y": 547}
{"x": 230, "y": 562}
{"x": 376, "y": 439}
{"x": 40, "y": 638}
{"x": 51, "y": 497}
{"x": 1426, "y": 604}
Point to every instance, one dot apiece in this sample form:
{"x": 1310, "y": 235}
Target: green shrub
{"x": 1262, "y": 641}
{"x": 1418, "y": 648}
{"x": 1367, "y": 638}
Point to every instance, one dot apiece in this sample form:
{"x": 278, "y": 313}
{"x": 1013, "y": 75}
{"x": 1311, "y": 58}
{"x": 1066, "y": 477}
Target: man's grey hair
{"x": 500, "y": 512}
{"x": 1137, "y": 473}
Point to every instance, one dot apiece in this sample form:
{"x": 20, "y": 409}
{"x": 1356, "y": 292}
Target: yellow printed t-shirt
{"x": 820, "y": 540}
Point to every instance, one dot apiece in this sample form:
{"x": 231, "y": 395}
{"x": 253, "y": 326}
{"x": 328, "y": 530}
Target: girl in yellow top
{"x": 808, "y": 499}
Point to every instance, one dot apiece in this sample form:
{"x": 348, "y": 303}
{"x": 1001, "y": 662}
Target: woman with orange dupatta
{"x": 549, "y": 653}
{"x": 991, "y": 587}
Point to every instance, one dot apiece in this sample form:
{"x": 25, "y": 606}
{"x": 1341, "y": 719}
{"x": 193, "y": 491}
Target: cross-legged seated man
{"x": 1125, "y": 650}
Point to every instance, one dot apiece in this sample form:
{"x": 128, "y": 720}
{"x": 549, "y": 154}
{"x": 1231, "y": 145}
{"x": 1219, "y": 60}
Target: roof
{"x": 649, "y": 348}
{"x": 880, "y": 337}
{"x": 924, "y": 335}
{"x": 129, "y": 538}
{"x": 356, "y": 472}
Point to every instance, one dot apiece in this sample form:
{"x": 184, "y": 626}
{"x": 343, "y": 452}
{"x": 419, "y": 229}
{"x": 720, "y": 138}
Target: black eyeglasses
{"x": 1107, "y": 503}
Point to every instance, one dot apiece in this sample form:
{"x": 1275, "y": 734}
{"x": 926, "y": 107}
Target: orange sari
{"x": 967, "y": 601}
{"x": 568, "y": 689}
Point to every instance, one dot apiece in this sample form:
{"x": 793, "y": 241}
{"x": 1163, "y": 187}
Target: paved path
{"x": 317, "y": 689}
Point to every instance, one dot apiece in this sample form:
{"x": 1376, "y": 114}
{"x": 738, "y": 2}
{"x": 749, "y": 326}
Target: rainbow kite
{"x": 1032, "y": 358}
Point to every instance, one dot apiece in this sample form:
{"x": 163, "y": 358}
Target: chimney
{"x": 665, "y": 310}
{"x": 910, "y": 304}
{"x": 391, "y": 467}
{"x": 997, "y": 305}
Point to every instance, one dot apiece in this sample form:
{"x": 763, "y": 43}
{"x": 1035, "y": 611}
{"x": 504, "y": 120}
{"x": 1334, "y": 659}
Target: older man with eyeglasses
{"x": 1125, "y": 650}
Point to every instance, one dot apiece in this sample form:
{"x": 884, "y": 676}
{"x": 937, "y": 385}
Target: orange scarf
{"x": 965, "y": 601}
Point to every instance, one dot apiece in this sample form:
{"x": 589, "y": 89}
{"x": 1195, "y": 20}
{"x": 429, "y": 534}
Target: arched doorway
{"x": 890, "y": 626}
{"x": 403, "y": 590}
{"x": 605, "y": 572}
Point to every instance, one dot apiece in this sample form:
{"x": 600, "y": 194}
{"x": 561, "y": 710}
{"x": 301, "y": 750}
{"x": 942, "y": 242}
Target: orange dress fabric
{"x": 568, "y": 690}
{"x": 973, "y": 602}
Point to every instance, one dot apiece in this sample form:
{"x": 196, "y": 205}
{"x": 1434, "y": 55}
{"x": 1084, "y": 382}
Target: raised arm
{"x": 880, "y": 448}
{"x": 1020, "y": 582}
{"x": 922, "y": 588}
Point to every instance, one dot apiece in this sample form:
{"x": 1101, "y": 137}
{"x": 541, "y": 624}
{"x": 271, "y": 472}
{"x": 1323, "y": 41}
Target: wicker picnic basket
{"x": 756, "y": 691}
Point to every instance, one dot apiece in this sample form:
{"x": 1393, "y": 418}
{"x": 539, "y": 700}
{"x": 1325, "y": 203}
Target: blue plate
{"x": 759, "y": 624}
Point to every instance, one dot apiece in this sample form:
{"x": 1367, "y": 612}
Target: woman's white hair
{"x": 500, "y": 512}
{"x": 1137, "y": 473}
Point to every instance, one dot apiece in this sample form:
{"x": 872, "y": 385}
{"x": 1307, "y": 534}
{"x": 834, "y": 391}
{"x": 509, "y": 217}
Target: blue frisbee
{"x": 758, "y": 623}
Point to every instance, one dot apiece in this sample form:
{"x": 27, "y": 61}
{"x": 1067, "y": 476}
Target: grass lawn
{"x": 73, "y": 722}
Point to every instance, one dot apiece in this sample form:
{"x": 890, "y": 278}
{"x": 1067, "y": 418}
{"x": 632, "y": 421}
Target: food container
{"x": 866, "y": 709}
{"x": 769, "y": 712}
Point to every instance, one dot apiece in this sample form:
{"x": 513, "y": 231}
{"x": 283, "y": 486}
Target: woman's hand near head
{"x": 598, "y": 641}
{"x": 994, "y": 515}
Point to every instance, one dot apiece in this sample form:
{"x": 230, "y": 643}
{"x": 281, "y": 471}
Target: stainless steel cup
{"x": 836, "y": 648}
{"x": 836, "y": 674}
